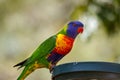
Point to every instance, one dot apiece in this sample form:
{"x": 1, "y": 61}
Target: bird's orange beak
{"x": 80, "y": 30}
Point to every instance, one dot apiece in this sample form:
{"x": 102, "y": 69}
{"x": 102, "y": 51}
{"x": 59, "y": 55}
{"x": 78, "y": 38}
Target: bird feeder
{"x": 87, "y": 71}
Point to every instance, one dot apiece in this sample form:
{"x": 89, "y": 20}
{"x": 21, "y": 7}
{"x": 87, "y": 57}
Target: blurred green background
{"x": 24, "y": 24}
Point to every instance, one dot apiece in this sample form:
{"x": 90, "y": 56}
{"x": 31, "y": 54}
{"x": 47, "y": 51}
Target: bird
{"x": 52, "y": 50}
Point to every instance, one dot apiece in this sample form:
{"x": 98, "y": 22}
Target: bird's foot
{"x": 52, "y": 68}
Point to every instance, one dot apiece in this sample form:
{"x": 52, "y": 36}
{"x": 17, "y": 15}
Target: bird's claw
{"x": 52, "y": 68}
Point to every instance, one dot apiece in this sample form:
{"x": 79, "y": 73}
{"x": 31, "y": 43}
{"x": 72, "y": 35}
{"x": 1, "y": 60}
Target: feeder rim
{"x": 86, "y": 66}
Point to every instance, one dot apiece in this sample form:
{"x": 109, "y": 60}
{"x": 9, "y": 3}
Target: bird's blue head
{"x": 74, "y": 28}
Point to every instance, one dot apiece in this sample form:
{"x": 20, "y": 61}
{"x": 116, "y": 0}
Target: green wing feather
{"x": 42, "y": 51}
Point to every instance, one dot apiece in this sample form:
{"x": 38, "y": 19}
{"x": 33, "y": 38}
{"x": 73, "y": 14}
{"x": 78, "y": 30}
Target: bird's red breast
{"x": 63, "y": 44}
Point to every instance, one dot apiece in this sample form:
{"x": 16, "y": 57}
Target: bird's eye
{"x": 74, "y": 25}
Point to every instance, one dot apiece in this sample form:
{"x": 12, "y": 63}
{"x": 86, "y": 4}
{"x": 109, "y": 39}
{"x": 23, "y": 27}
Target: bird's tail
{"x": 27, "y": 70}
{"x": 21, "y": 64}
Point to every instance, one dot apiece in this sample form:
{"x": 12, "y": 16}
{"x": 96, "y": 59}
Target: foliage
{"x": 108, "y": 11}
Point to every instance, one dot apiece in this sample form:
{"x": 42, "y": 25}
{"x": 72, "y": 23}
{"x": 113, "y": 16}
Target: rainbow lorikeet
{"x": 51, "y": 50}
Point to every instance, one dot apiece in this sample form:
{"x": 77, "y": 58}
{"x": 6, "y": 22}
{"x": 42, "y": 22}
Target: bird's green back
{"x": 43, "y": 50}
